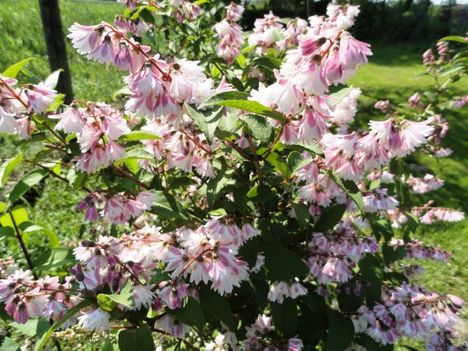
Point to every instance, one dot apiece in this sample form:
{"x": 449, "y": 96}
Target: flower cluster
{"x": 279, "y": 291}
{"x": 208, "y": 254}
{"x": 425, "y": 184}
{"x": 98, "y": 127}
{"x": 416, "y": 249}
{"x": 118, "y": 208}
{"x": 207, "y": 202}
{"x": 429, "y": 214}
{"x": 25, "y": 297}
{"x": 409, "y": 311}
{"x": 17, "y": 105}
{"x": 333, "y": 255}
{"x": 230, "y": 33}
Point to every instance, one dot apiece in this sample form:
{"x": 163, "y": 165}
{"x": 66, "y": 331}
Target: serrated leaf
{"x": 33, "y": 327}
{"x": 245, "y": 105}
{"x": 19, "y": 214}
{"x": 52, "y": 259}
{"x": 28, "y": 227}
{"x": 107, "y": 302}
{"x": 259, "y": 127}
{"x": 207, "y": 124}
{"x": 9, "y": 344}
{"x": 217, "y": 306}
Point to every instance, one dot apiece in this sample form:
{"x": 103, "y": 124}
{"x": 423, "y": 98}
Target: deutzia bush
{"x": 238, "y": 204}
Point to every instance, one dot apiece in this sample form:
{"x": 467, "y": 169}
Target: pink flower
{"x": 40, "y": 97}
{"x": 7, "y": 121}
{"x": 71, "y": 120}
{"x": 86, "y": 39}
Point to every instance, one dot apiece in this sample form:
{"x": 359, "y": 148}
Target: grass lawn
{"x": 392, "y": 74}
{"x": 389, "y": 75}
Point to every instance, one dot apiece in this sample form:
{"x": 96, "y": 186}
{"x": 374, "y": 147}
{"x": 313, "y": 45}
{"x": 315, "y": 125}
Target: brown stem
{"x": 129, "y": 176}
{"x": 23, "y": 246}
{"x": 254, "y": 155}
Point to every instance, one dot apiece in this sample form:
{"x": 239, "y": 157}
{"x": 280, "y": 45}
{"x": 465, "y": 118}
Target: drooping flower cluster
{"x": 118, "y": 208}
{"x": 230, "y": 33}
{"x": 164, "y": 269}
{"x": 17, "y": 105}
{"x": 333, "y": 255}
{"x": 184, "y": 149}
{"x": 208, "y": 254}
{"x": 281, "y": 290}
{"x": 416, "y": 249}
{"x": 425, "y": 184}
{"x": 266, "y": 32}
{"x": 409, "y": 311}
{"x": 429, "y": 214}
{"x": 98, "y": 127}
{"x": 25, "y": 297}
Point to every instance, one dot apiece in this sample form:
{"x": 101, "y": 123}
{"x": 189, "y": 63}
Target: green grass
{"x": 390, "y": 74}
{"x": 22, "y": 37}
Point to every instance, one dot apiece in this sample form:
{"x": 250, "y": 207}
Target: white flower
{"x": 95, "y": 320}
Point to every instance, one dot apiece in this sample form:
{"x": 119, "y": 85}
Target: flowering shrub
{"x": 240, "y": 208}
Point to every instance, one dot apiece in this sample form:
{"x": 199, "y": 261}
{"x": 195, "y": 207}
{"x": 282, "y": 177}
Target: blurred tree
{"x": 56, "y": 48}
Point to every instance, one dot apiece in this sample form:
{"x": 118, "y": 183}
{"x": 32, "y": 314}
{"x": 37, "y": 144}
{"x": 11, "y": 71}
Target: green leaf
{"x": 70, "y": 313}
{"x": 28, "y": 227}
{"x": 9, "y": 344}
{"x": 455, "y": 38}
{"x": 138, "y": 135}
{"x": 278, "y": 163}
{"x": 217, "y": 307}
{"x": 207, "y": 124}
{"x": 19, "y": 214}
{"x": 9, "y": 166}
{"x": 392, "y": 254}
{"x": 311, "y": 146}
{"x": 108, "y": 346}
{"x": 108, "y": 302}
{"x": 191, "y": 313}
{"x": 52, "y": 259}
{"x": 33, "y": 327}
{"x": 26, "y": 183}
{"x": 352, "y": 191}
{"x": 138, "y": 339}
{"x": 329, "y": 217}
{"x": 165, "y": 206}
{"x": 268, "y": 62}
{"x": 6, "y": 232}
{"x": 246, "y": 105}
{"x": 259, "y": 127}
{"x": 340, "y": 332}
{"x": 283, "y": 264}
{"x": 285, "y": 317}
{"x": 13, "y": 70}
